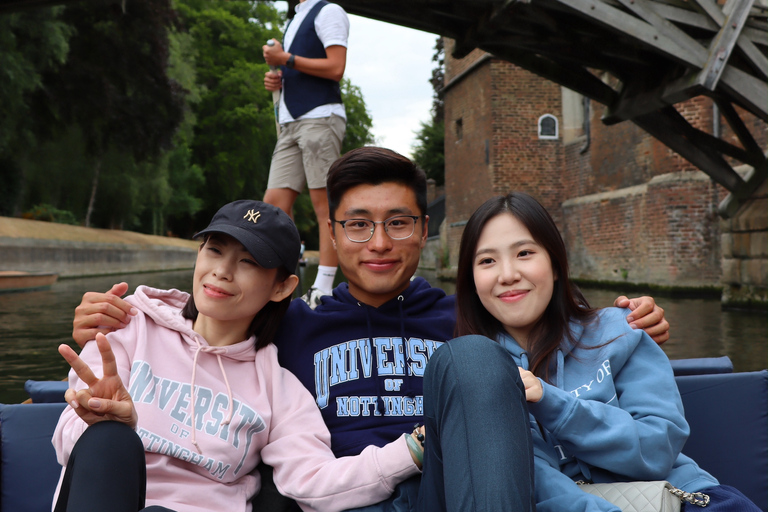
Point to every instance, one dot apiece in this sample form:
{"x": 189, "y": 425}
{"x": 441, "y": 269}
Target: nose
{"x": 380, "y": 241}
{"x": 223, "y": 269}
{"x": 510, "y": 272}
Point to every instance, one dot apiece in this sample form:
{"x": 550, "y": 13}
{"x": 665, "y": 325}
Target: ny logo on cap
{"x": 252, "y": 216}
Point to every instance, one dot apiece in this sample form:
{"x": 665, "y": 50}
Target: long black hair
{"x": 266, "y": 322}
{"x": 567, "y": 302}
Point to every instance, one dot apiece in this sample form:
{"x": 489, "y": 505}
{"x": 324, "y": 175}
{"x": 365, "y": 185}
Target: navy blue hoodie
{"x": 364, "y": 365}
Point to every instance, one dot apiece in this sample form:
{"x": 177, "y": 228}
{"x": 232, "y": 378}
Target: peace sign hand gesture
{"x": 105, "y": 399}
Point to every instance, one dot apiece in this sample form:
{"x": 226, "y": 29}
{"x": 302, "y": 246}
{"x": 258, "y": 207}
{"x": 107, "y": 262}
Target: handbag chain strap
{"x": 695, "y": 498}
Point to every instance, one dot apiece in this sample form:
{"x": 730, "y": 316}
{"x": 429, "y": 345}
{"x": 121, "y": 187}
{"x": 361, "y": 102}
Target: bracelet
{"x": 289, "y": 63}
{"x": 413, "y": 447}
{"x": 417, "y": 432}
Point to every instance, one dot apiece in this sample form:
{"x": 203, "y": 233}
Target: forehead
{"x": 384, "y": 199}
{"x": 503, "y": 229}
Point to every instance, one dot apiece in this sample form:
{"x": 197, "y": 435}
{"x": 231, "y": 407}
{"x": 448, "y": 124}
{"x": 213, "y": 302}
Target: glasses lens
{"x": 399, "y": 228}
{"x": 358, "y": 230}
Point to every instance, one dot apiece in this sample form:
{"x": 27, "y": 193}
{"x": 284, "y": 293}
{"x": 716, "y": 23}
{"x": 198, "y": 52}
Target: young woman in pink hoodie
{"x": 192, "y": 398}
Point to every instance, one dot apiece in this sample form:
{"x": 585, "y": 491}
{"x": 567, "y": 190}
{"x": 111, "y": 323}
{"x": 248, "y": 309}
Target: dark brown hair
{"x": 266, "y": 322}
{"x": 567, "y": 302}
{"x": 371, "y": 165}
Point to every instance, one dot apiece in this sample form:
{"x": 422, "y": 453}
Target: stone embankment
{"x": 75, "y": 251}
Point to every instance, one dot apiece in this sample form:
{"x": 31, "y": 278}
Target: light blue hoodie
{"x": 614, "y": 414}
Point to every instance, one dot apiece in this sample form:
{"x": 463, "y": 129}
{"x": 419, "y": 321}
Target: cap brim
{"x": 261, "y": 251}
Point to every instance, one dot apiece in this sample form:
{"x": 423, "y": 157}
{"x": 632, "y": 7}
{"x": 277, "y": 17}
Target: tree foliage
{"x": 142, "y": 115}
{"x": 429, "y": 148}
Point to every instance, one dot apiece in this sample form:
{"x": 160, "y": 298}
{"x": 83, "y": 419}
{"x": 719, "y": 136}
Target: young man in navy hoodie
{"x": 363, "y": 350}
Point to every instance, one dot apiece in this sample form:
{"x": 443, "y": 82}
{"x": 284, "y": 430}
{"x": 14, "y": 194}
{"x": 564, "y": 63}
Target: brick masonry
{"x": 630, "y": 209}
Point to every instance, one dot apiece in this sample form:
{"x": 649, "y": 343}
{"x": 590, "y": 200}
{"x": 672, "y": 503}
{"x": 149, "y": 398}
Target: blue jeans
{"x": 478, "y": 454}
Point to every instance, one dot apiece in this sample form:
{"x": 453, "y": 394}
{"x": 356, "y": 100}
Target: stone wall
{"x": 745, "y": 254}
{"x": 631, "y": 210}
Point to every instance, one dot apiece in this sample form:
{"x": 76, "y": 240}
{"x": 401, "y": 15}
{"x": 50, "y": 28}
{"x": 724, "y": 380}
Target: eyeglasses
{"x": 399, "y": 227}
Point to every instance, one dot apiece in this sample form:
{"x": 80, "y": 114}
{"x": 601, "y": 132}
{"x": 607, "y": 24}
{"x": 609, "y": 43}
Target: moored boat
{"x": 19, "y": 281}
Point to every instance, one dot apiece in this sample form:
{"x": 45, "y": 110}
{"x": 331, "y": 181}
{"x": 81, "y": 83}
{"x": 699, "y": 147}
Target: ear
{"x": 285, "y": 288}
{"x": 424, "y": 232}
{"x": 332, "y": 232}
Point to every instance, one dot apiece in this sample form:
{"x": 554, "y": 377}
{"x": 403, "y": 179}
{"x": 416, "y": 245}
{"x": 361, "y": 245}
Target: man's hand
{"x": 106, "y": 399}
{"x": 275, "y": 55}
{"x": 273, "y": 80}
{"x": 101, "y": 313}
{"x": 533, "y": 388}
{"x": 646, "y": 315}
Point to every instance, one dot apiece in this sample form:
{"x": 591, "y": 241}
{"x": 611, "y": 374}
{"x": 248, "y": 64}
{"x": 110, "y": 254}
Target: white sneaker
{"x": 313, "y": 296}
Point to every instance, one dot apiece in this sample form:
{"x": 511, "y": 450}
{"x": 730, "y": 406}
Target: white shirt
{"x": 332, "y": 27}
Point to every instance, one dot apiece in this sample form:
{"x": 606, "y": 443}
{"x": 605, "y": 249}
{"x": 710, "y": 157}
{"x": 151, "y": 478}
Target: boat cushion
{"x": 28, "y": 468}
{"x": 728, "y": 415}
{"x": 46, "y": 391}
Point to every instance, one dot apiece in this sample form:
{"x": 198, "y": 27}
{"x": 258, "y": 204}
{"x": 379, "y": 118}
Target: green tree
{"x": 114, "y": 86}
{"x": 359, "y": 121}
{"x": 31, "y": 43}
{"x": 429, "y": 148}
{"x": 234, "y": 130}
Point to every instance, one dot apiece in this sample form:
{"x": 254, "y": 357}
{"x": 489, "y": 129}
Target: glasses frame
{"x": 373, "y": 229}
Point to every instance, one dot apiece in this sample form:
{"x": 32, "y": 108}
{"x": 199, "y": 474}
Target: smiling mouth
{"x": 380, "y": 265}
{"x": 214, "y": 291}
{"x": 513, "y": 295}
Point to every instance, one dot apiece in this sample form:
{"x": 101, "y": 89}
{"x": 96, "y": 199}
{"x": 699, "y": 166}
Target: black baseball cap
{"x": 266, "y": 232}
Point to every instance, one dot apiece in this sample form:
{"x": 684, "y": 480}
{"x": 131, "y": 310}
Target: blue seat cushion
{"x": 46, "y": 391}
{"x": 728, "y": 415}
{"x": 28, "y": 468}
{"x": 697, "y": 366}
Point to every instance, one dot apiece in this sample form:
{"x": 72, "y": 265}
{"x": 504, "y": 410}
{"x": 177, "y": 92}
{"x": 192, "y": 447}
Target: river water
{"x": 33, "y": 324}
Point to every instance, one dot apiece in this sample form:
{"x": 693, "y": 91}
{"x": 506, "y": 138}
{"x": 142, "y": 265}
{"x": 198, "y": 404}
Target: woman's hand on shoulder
{"x": 533, "y": 388}
{"x": 101, "y": 313}
{"x": 106, "y": 398}
{"x": 646, "y": 315}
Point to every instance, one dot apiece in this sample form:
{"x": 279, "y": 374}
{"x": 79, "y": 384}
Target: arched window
{"x": 548, "y": 127}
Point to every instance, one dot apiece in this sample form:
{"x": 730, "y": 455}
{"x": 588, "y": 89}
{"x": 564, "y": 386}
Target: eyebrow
{"x": 486, "y": 250}
{"x": 362, "y": 212}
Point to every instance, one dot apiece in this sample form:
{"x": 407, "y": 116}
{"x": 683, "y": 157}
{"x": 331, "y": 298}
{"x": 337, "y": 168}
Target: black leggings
{"x": 106, "y": 471}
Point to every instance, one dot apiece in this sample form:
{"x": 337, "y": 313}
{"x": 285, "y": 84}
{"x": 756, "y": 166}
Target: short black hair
{"x": 372, "y": 165}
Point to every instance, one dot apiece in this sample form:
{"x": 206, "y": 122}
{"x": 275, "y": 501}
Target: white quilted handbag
{"x": 658, "y": 496}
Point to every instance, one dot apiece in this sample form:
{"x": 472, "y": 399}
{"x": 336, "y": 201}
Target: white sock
{"x": 324, "y": 279}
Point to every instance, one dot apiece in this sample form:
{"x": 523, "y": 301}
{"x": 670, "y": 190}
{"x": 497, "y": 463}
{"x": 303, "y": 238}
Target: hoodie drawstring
{"x": 560, "y": 369}
{"x": 217, "y": 351}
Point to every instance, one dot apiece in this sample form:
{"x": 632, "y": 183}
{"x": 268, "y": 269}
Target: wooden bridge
{"x": 656, "y": 53}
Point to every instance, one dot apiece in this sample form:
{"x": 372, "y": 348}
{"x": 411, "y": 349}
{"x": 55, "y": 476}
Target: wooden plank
{"x": 665, "y": 126}
{"x": 739, "y": 128}
{"x": 756, "y": 58}
{"x": 722, "y": 45}
{"x": 731, "y": 204}
{"x": 571, "y": 76}
{"x": 646, "y": 11}
{"x": 628, "y": 25}
{"x": 747, "y": 91}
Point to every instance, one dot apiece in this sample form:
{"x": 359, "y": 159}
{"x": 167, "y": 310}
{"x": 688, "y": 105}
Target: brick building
{"x": 630, "y": 209}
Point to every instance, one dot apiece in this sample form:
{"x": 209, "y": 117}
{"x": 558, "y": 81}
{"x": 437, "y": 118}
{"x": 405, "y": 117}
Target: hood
{"x": 164, "y": 308}
{"x": 420, "y": 296}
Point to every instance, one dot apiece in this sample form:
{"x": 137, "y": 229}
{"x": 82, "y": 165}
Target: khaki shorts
{"x": 304, "y": 152}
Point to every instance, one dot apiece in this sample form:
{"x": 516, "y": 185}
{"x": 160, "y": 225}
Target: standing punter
{"x": 311, "y": 117}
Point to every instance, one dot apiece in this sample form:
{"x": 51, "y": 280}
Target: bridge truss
{"x": 657, "y": 52}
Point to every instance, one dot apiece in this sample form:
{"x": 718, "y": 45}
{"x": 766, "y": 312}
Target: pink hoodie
{"x": 273, "y": 418}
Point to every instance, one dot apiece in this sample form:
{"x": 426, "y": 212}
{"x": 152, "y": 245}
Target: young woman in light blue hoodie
{"x": 603, "y": 402}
